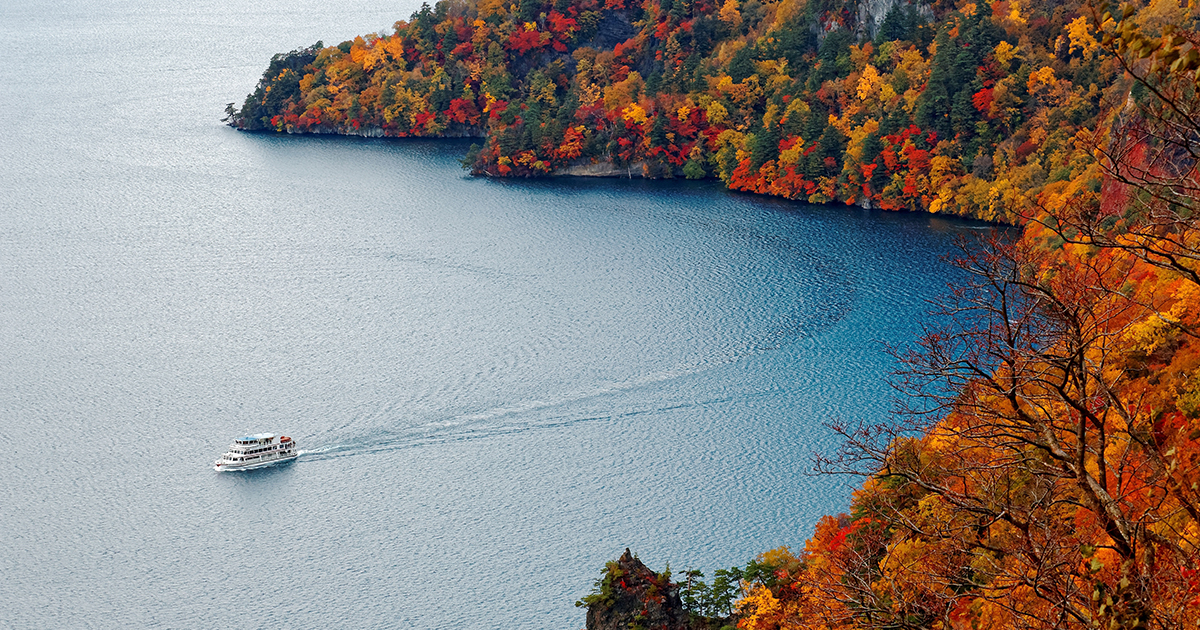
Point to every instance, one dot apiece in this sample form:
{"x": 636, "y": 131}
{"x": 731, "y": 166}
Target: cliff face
{"x": 633, "y": 596}
{"x": 872, "y": 13}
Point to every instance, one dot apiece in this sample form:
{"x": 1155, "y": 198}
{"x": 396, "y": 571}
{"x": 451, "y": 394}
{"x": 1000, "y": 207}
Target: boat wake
{"x": 531, "y": 415}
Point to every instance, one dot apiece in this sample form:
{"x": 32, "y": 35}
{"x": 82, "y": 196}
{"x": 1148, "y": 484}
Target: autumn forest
{"x": 1043, "y": 470}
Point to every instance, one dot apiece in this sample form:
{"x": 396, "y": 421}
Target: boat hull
{"x": 228, "y": 467}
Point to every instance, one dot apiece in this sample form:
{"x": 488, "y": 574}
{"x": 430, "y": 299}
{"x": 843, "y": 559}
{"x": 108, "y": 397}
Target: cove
{"x": 500, "y": 384}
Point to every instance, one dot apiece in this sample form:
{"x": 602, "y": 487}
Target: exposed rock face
{"x": 633, "y": 596}
{"x": 614, "y": 29}
{"x": 872, "y": 13}
{"x": 603, "y": 169}
{"x": 378, "y": 132}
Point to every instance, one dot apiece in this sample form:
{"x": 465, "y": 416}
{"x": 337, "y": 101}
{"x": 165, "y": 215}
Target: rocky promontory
{"x": 630, "y": 596}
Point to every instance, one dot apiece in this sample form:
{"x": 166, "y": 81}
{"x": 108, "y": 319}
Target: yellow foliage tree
{"x": 869, "y": 83}
{"x": 1004, "y": 52}
{"x": 1080, "y": 33}
{"x": 634, "y": 114}
{"x": 716, "y": 113}
{"x": 730, "y": 14}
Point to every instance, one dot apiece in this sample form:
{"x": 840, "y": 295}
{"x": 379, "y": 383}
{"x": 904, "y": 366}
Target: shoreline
{"x": 595, "y": 170}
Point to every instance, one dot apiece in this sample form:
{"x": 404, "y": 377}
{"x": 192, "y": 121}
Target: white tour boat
{"x": 257, "y": 451}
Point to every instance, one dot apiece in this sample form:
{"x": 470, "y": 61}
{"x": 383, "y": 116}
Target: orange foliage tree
{"x": 1045, "y": 469}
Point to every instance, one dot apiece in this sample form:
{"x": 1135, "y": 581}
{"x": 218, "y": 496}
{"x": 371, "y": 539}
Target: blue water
{"x": 499, "y": 384}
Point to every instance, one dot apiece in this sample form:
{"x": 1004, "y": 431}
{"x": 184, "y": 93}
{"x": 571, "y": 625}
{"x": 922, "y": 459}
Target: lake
{"x": 497, "y": 385}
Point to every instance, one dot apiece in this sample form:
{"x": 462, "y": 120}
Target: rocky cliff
{"x": 631, "y": 596}
{"x": 872, "y": 13}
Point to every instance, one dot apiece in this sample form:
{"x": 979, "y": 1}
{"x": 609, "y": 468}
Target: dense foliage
{"x": 966, "y": 108}
{"x": 1046, "y": 473}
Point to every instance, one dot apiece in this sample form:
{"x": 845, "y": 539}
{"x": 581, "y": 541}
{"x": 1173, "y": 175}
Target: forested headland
{"x": 963, "y": 108}
{"x": 1044, "y": 471}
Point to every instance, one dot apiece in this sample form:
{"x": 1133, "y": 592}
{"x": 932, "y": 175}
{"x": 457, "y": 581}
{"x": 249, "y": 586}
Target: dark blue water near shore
{"x": 500, "y": 384}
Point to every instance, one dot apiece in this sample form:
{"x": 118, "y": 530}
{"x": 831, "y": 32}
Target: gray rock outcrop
{"x": 633, "y": 596}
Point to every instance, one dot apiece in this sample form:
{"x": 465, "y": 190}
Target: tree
{"x": 1032, "y": 481}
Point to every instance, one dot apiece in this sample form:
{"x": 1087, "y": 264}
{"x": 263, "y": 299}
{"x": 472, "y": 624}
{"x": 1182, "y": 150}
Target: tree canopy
{"x": 952, "y": 107}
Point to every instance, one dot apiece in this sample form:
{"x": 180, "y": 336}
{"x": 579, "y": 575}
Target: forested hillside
{"x": 964, "y": 108}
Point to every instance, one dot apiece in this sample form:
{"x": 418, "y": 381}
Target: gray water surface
{"x": 498, "y": 385}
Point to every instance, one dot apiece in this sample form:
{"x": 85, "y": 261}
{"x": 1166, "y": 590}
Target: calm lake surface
{"x": 499, "y": 385}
